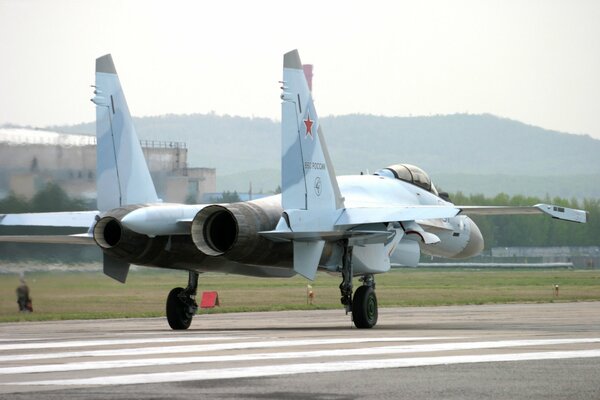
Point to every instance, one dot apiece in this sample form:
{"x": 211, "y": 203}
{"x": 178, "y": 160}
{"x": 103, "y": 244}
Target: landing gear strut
{"x": 181, "y": 304}
{"x": 346, "y": 285}
{"x": 364, "y": 304}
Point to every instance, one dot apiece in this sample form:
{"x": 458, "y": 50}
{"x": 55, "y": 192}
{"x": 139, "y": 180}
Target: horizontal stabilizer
{"x": 69, "y": 219}
{"x": 83, "y": 238}
{"x": 564, "y": 213}
{"x": 306, "y": 258}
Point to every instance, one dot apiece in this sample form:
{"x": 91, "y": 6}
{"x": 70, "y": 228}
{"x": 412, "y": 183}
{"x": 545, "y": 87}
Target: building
{"x": 30, "y": 158}
{"x": 579, "y": 256}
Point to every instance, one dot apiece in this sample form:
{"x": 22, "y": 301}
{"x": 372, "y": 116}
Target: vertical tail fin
{"x": 308, "y": 178}
{"x": 309, "y": 189}
{"x": 122, "y": 175}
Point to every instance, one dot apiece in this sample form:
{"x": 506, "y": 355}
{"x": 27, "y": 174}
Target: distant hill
{"x": 482, "y": 144}
{"x": 472, "y": 153}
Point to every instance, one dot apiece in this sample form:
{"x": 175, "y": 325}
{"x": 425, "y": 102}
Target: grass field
{"x": 91, "y": 295}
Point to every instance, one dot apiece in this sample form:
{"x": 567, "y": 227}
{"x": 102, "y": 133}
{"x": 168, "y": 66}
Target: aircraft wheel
{"x": 364, "y": 307}
{"x": 178, "y": 313}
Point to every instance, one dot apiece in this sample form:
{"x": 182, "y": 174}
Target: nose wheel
{"x": 364, "y": 307}
{"x": 181, "y": 304}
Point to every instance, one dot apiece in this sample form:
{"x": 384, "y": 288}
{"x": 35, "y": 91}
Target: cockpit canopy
{"x": 409, "y": 173}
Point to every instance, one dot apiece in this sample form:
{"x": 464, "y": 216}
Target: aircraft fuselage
{"x": 148, "y": 234}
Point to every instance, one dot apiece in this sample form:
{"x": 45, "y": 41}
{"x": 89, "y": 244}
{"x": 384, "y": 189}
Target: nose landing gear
{"x": 181, "y": 304}
{"x": 363, "y": 304}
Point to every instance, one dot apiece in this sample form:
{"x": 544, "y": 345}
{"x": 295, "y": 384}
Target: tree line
{"x": 50, "y": 198}
{"x": 533, "y": 230}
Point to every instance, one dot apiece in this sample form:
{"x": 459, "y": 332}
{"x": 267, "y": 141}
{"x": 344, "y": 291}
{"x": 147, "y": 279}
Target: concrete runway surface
{"x": 546, "y": 351}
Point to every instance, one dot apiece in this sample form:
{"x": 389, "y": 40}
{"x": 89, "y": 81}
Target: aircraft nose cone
{"x": 475, "y": 244}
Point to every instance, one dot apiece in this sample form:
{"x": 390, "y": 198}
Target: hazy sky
{"x": 533, "y": 61}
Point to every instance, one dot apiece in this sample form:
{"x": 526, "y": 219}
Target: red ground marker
{"x": 209, "y": 299}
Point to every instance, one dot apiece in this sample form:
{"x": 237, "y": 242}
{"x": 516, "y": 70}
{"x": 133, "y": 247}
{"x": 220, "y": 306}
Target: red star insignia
{"x": 309, "y": 125}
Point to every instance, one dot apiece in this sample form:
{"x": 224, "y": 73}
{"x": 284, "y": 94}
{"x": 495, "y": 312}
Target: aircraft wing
{"x": 361, "y": 218}
{"x": 71, "y": 219}
{"x": 557, "y": 212}
{"x": 370, "y": 215}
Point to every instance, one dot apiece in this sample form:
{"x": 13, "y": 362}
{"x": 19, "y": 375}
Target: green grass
{"x": 91, "y": 295}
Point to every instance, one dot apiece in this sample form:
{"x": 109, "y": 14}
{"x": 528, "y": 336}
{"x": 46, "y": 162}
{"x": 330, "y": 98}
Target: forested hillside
{"x": 471, "y": 153}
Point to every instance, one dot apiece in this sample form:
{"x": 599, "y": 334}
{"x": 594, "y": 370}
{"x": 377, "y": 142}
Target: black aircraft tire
{"x": 364, "y": 308}
{"x": 177, "y": 315}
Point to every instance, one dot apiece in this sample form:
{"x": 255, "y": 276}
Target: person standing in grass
{"x": 23, "y": 298}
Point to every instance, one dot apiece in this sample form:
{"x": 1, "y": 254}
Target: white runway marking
{"x": 365, "y": 351}
{"x": 112, "y": 342}
{"x": 510, "y": 339}
{"x": 206, "y": 347}
{"x": 287, "y": 369}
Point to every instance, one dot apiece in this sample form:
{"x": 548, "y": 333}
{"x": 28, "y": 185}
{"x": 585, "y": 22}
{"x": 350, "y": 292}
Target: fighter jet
{"x": 349, "y": 225}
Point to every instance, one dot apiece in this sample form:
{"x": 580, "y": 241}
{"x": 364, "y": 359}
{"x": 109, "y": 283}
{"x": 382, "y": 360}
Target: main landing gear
{"x": 364, "y": 304}
{"x": 181, "y": 304}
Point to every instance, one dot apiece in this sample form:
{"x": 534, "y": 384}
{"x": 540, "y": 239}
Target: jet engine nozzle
{"x": 231, "y": 231}
{"x": 118, "y": 241}
{"x": 214, "y": 230}
{"x": 108, "y": 232}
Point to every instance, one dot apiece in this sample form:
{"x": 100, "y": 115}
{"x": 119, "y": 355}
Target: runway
{"x": 496, "y": 351}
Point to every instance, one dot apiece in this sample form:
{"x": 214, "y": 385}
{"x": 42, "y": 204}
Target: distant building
{"x": 211, "y": 197}
{"x": 31, "y": 158}
{"x": 580, "y": 256}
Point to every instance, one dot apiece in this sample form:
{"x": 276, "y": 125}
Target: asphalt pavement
{"x": 549, "y": 351}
